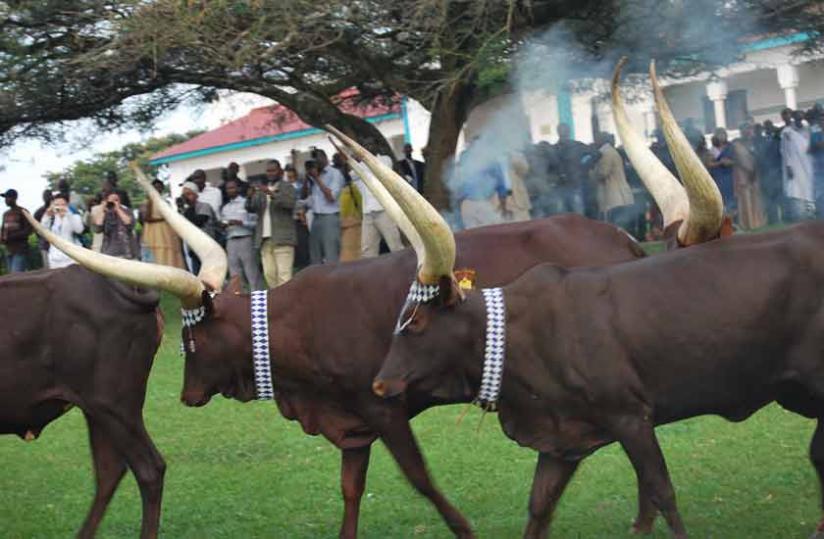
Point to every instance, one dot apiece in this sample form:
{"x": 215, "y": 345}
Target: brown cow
{"x": 577, "y": 359}
{"x": 602, "y": 355}
{"x": 74, "y": 338}
{"x": 330, "y": 327}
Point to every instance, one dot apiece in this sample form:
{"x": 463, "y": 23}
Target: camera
{"x": 109, "y": 205}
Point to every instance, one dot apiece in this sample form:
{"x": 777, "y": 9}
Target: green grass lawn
{"x": 241, "y": 471}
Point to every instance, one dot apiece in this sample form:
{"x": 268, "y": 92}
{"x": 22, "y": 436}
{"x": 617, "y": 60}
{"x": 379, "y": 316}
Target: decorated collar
{"x": 264, "y": 388}
{"x": 494, "y": 351}
{"x": 192, "y": 317}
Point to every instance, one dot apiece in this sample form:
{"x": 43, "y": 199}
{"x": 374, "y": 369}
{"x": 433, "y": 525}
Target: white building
{"x": 274, "y": 132}
{"x": 767, "y": 79}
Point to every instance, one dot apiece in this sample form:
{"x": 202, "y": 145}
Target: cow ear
{"x": 234, "y": 286}
{"x": 449, "y": 292}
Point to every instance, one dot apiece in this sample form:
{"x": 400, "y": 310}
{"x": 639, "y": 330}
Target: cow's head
{"x": 218, "y": 350}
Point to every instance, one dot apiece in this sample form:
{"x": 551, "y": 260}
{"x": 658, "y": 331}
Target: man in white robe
{"x": 798, "y": 170}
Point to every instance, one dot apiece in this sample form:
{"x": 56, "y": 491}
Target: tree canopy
{"x": 86, "y": 176}
{"x": 125, "y": 62}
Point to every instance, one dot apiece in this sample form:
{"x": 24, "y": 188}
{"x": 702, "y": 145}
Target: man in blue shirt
{"x": 325, "y": 184}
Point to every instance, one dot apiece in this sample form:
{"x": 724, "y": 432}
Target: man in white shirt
{"x": 208, "y": 193}
{"x": 376, "y": 224}
{"x": 798, "y": 169}
{"x": 325, "y": 184}
{"x": 239, "y": 225}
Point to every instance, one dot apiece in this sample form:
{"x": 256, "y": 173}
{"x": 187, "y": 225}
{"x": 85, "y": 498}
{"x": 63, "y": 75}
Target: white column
{"x": 717, "y": 92}
{"x": 788, "y": 80}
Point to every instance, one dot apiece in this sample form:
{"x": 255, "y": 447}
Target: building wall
{"x": 252, "y": 159}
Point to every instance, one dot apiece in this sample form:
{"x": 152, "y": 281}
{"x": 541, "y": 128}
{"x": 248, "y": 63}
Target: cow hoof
{"x": 818, "y": 534}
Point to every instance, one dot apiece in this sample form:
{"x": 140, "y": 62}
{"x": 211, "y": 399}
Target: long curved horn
{"x": 212, "y": 256}
{"x": 667, "y": 191}
{"x": 389, "y": 204}
{"x": 438, "y": 242}
{"x": 181, "y": 283}
{"x": 706, "y": 204}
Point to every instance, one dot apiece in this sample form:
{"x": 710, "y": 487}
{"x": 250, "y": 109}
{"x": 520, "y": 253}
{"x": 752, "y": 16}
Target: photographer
{"x": 65, "y": 224}
{"x": 116, "y": 223}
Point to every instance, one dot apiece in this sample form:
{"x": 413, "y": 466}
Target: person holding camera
{"x": 275, "y": 235}
{"x": 64, "y": 223}
{"x": 117, "y": 224}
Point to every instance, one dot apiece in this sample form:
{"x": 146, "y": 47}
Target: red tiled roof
{"x": 270, "y": 121}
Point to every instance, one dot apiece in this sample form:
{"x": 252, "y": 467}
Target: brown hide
{"x": 72, "y": 337}
{"x": 343, "y": 315}
{"x": 604, "y": 354}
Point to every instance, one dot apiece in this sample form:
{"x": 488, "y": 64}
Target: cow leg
{"x": 646, "y": 513}
{"x": 354, "y": 463}
{"x": 551, "y": 477}
{"x": 133, "y": 442}
{"x": 817, "y": 458}
{"x": 637, "y": 436}
{"x": 398, "y": 438}
{"x": 109, "y": 468}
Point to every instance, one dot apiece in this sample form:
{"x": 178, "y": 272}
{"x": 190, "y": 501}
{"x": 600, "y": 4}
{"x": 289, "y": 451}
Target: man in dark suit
{"x": 412, "y": 169}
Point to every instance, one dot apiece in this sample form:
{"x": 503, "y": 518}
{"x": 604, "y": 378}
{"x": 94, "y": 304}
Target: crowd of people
{"x": 269, "y": 225}
{"x": 279, "y": 222}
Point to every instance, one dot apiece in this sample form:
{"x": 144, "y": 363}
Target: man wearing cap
{"x": 15, "y": 234}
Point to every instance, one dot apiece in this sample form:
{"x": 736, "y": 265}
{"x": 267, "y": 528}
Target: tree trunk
{"x": 448, "y": 116}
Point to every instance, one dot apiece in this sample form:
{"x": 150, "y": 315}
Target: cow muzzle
{"x": 195, "y": 398}
{"x": 388, "y": 388}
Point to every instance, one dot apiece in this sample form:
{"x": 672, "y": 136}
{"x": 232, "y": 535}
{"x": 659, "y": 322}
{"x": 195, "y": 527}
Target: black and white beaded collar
{"x": 264, "y": 388}
{"x": 494, "y": 350}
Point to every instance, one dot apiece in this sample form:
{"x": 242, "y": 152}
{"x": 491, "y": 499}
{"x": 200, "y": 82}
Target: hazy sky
{"x": 23, "y": 165}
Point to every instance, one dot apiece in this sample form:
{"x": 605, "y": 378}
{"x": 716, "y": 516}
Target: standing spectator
{"x": 207, "y": 193}
{"x": 66, "y": 224}
{"x": 117, "y": 226}
{"x": 200, "y": 214}
{"x": 299, "y": 215}
{"x": 412, "y": 169}
{"x": 720, "y": 167}
{"x": 476, "y": 189}
{"x": 693, "y": 134}
{"x": 543, "y": 179}
{"x": 613, "y": 191}
{"x": 376, "y": 223}
{"x": 42, "y": 244}
{"x": 816, "y": 119}
{"x": 14, "y": 234}
{"x": 111, "y": 177}
{"x": 325, "y": 185}
{"x": 239, "y": 225}
{"x": 158, "y": 236}
{"x": 798, "y": 169}
{"x": 745, "y": 177}
{"x": 273, "y": 203}
{"x": 768, "y": 163}
{"x": 517, "y": 204}
{"x": 75, "y": 201}
{"x": 232, "y": 173}
{"x": 95, "y": 215}
{"x": 351, "y": 212}
{"x": 571, "y": 174}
